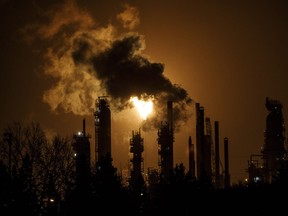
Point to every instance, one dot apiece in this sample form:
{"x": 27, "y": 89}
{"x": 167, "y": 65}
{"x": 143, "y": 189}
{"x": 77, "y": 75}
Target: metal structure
{"x": 81, "y": 146}
{"x": 136, "y": 148}
{"x": 256, "y": 169}
{"x": 191, "y": 157}
{"x": 165, "y": 142}
{"x": 274, "y": 141}
{"x": 200, "y": 141}
{"x": 226, "y": 164}
{"x": 102, "y": 121}
{"x": 217, "y": 155}
{"x": 209, "y": 153}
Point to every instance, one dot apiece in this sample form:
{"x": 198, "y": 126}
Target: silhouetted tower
{"x": 274, "y": 141}
{"x": 191, "y": 157}
{"x": 165, "y": 141}
{"x": 208, "y": 149}
{"x": 102, "y": 119}
{"x": 136, "y": 148}
{"x": 226, "y": 164}
{"x": 200, "y": 140}
{"x": 81, "y": 146}
{"x": 217, "y": 156}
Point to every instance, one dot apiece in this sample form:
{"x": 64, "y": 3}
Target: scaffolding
{"x": 165, "y": 144}
{"x": 136, "y": 148}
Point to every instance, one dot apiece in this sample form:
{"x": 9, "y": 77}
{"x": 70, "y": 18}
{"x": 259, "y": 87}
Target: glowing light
{"x": 143, "y": 107}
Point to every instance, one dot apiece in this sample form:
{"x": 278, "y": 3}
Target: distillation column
{"x": 226, "y": 164}
{"x": 165, "y": 141}
{"x": 191, "y": 157}
{"x": 102, "y": 120}
{"x": 137, "y": 148}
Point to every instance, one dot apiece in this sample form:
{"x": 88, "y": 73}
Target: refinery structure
{"x": 102, "y": 121}
{"x": 204, "y": 157}
{"x": 263, "y": 167}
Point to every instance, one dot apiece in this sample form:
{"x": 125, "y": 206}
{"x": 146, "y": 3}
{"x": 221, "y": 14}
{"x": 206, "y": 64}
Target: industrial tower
{"x": 200, "y": 140}
{"x": 165, "y": 142}
{"x": 102, "y": 121}
{"x": 209, "y": 153}
{"x": 81, "y": 146}
{"x": 226, "y": 164}
{"x": 274, "y": 141}
{"x": 191, "y": 157}
{"x": 217, "y": 154}
{"x": 136, "y": 148}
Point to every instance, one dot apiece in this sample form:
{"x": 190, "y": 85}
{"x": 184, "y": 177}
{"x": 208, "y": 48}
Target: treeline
{"x": 38, "y": 177}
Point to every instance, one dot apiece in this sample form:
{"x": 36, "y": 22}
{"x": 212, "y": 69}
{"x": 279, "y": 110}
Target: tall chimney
{"x": 217, "y": 160}
{"x": 170, "y": 115}
{"x": 165, "y": 141}
{"x": 226, "y": 158}
{"x": 191, "y": 158}
{"x": 199, "y": 140}
{"x": 84, "y": 129}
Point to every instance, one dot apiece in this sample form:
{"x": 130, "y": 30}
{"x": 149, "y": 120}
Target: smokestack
{"x": 226, "y": 158}
{"x": 199, "y": 140}
{"x": 84, "y": 129}
{"x": 217, "y": 160}
{"x": 170, "y": 114}
{"x": 81, "y": 146}
{"x": 191, "y": 158}
{"x": 165, "y": 141}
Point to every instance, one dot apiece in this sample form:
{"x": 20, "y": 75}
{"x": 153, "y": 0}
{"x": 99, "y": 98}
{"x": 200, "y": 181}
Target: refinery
{"x": 204, "y": 157}
{"x": 64, "y": 179}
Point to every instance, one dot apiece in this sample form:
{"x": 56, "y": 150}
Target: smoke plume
{"x": 93, "y": 61}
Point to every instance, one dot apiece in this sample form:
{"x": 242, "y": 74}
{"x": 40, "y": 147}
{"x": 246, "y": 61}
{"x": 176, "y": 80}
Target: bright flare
{"x": 144, "y": 107}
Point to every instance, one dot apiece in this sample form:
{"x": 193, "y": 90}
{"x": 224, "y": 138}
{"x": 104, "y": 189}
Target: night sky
{"x": 57, "y": 57}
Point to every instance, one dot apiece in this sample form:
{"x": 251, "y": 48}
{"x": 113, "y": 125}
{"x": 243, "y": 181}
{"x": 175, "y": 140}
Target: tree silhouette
{"x": 5, "y": 195}
{"x": 34, "y": 171}
{"x": 58, "y": 172}
{"x": 20, "y": 149}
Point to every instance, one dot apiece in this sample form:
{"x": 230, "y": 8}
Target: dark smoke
{"x": 88, "y": 61}
{"x": 124, "y": 72}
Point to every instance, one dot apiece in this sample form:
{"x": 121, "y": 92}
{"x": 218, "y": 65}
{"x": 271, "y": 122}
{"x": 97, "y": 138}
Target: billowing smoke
{"x": 124, "y": 72}
{"x": 95, "y": 61}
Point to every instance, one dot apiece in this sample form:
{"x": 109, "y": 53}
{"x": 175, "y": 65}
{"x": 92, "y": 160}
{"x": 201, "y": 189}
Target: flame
{"x": 144, "y": 107}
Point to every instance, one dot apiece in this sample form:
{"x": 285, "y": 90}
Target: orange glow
{"x": 144, "y": 107}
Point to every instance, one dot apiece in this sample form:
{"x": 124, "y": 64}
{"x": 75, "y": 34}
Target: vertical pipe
{"x": 191, "y": 158}
{"x": 170, "y": 114}
{"x": 95, "y": 134}
{"x": 84, "y": 129}
{"x": 217, "y": 160}
{"x": 10, "y": 153}
{"x": 170, "y": 161}
{"x": 199, "y": 140}
{"x": 226, "y": 157}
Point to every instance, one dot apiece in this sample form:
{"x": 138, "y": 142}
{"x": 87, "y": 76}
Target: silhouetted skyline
{"x": 228, "y": 56}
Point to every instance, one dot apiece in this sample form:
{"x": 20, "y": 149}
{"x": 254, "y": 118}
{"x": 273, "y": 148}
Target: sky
{"x": 58, "y": 57}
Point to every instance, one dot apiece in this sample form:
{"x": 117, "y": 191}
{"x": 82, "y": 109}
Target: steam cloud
{"x": 96, "y": 61}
